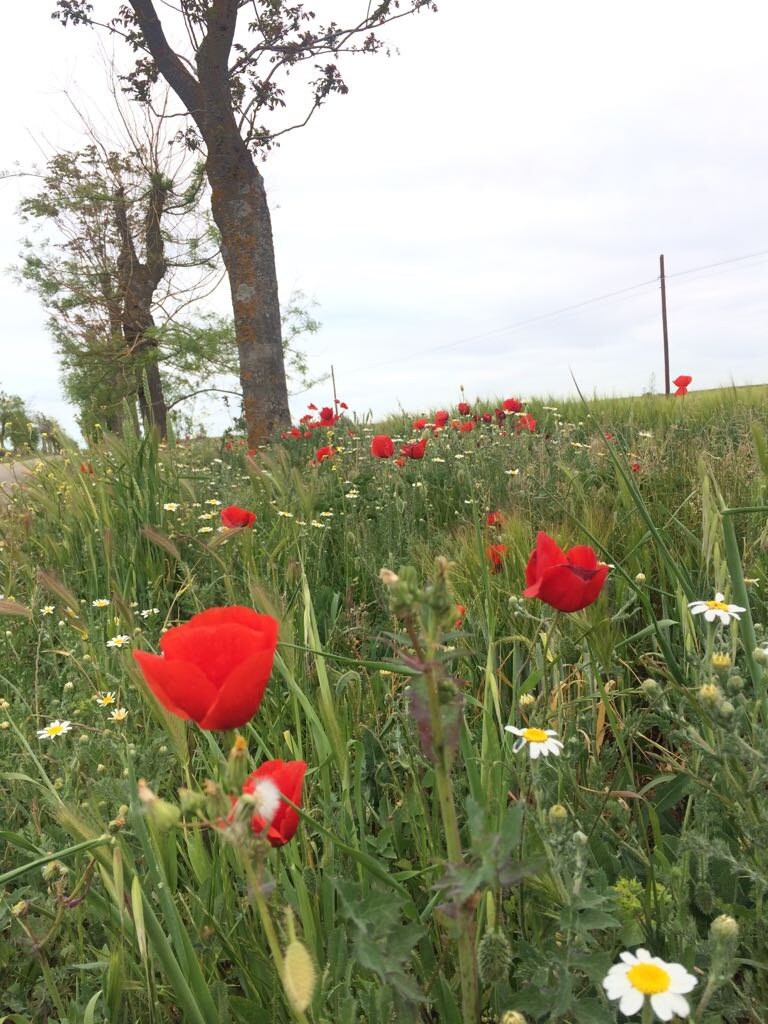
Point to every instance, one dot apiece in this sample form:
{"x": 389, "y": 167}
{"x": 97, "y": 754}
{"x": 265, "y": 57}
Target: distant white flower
{"x": 48, "y": 609}
{"x": 205, "y": 529}
{"x": 212, "y": 501}
{"x": 540, "y": 741}
{"x": 640, "y": 975}
{"x": 146, "y": 612}
{"x": 119, "y": 641}
{"x": 119, "y": 715}
{"x": 716, "y": 609}
{"x": 171, "y": 506}
{"x": 100, "y": 602}
{"x": 285, "y": 515}
{"x": 56, "y": 728}
{"x": 105, "y": 699}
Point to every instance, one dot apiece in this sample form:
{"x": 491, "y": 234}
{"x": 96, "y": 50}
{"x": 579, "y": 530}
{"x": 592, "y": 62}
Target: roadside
{"x": 12, "y": 474}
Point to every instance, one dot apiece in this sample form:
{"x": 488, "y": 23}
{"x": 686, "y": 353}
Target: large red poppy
{"x": 214, "y": 669}
{"x": 464, "y": 408}
{"x": 382, "y": 446}
{"x": 512, "y": 405}
{"x": 288, "y": 778}
{"x": 325, "y": 453}
{"x": 415, "y": 450}
{"x": 441, "y": 418}
{"x": 568, "y": 581}
{"x": 682, "y": 383}
{"x": 234, "y": 517}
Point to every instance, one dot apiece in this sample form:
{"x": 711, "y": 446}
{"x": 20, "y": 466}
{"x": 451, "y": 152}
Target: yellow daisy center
{"x": 650, "y": 979}
{"x": 535, "y": 736}
{"x": 721, "y": 606}
{"x": 55, "y": 730}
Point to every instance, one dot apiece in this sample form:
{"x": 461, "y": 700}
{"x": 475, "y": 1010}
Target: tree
{"x": 122, "y": 222}
{"x": 233, "y": 74}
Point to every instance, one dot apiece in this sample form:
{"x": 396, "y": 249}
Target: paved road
{"x": 12, "y": 474}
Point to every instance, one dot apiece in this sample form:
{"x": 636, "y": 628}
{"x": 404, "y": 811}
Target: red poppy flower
{"x": 213, "y": 669}
{"x": 467, "y": 426}
{"x": 233, "y": 517}
{"x": 306, "y": 418}
{"x": 495, "y": 555}
{"x": 327, "y": 416}
{"x": 461, "y": 611}
{"x": 512, "y": 405}
{"x": 342, "y": 405}
{"x": 400, "y": 462}
{"x": 494, "y": 519}
{"x": 293, "y": 432}
{"x": 568, "y": 581}
{"x": 415, "y": 450}
{"x": 441, "y": 418}
{"x": 486, "y": 417}
{"x": 525, "y": 422}
{"x": 313, "y": 407}
{"x": 501, "y": 415}
{"x": 324, "y": 453}
{"x": 635, "y": 467}
{"x": 464, "y": 408}
{"x": 681, "y": 383}
{"x": 419, "y": 424}
{"x": 86, "y": 467}
{"x": 382, "y": 447}
{"x": 288, "y": 778}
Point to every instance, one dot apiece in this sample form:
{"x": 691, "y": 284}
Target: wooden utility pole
{"x": 664, "y": 324}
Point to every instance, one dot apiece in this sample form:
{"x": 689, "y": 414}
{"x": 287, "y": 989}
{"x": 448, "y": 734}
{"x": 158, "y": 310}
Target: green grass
{"x": 430, "y": 878}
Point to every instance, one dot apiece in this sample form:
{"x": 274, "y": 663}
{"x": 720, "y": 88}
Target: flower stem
{"x": 257, "y": 898}
{"x": 444, "y": 785}
{"x": 648, "y": 1014}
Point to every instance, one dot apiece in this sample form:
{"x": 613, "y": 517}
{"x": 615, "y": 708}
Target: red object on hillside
{"x": 382, "y": 446}
{"x": 213, "y": 669}
{"x": 288, "y": 778}
{"x": 682, "y": 383}
{"x": 415, "y": 450}
{"x": 234, "y": 517}
{"x": 567, "y": 581}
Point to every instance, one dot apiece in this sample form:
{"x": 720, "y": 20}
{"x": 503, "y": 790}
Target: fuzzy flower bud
{"x": 512, "y": 1017}
{"x": 237, "y": 765}
{"x": 558, "y": 816}
{"x": 494, "y": 957}
{"x": 725, "y": 931}
{"x": 711, "y": 695}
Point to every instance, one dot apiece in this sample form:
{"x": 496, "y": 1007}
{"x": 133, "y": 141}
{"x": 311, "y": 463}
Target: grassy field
{"x": 435, "y": 870}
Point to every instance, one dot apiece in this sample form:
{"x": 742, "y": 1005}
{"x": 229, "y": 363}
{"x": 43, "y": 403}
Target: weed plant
{"x": 437, "y": 874}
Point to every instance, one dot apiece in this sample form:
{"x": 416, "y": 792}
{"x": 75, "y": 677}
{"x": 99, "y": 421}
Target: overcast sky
{"x": 512, "y": 160}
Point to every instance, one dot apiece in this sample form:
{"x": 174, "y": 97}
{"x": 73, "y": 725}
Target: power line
{"x": 518, "y": 325}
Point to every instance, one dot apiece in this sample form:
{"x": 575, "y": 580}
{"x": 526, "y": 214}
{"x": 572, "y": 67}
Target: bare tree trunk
{"x": 239, "y": 205}
{"x": 138, "y": 282}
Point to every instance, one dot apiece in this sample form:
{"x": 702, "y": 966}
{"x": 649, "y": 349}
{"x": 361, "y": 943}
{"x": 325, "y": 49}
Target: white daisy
{"x": 105, "y": 699}
{"x": 48, "y": 609}
{"x": 56, "y": 728}
{"x": 119, "y": 715}
{"x": 119, "y": 641}
{"x": 171, "y": 506}
{"x": 100, "y": 602}
{"x": 540, "y": 741}
{"x": 717, "y": 609}
{"x": 640, "y": 975}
